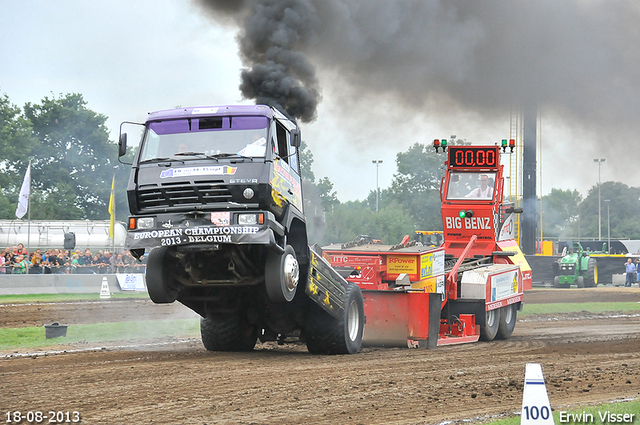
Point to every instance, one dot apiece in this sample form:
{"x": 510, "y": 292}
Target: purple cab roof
{"x": 208, "y": 111}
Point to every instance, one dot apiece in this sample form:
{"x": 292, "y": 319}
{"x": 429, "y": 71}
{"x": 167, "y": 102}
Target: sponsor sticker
{"x": 219, "y": 170}
{"x": 221, "y": 218}
{"x": 402, "y": 264}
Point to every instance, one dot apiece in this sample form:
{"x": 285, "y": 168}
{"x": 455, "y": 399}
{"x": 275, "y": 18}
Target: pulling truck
{"x": 467, "y": 289}
{"x": 216, "y": 201}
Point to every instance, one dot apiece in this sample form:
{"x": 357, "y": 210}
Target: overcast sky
{"x": 128, "y": 58}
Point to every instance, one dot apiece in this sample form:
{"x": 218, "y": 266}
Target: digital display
{"x": 473, "y": 156}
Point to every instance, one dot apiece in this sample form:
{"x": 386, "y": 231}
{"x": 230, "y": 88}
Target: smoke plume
{"x": 577, "y": 59}
{"x": 272, "y": 39}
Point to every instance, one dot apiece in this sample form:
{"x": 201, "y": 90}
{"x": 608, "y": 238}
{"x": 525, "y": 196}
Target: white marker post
{"x": 104, "y": 289}
{"x": 536, "y": 409}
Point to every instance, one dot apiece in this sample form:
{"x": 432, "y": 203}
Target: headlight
{"x": 146, "y": 223}
{"x": 248, "y": 219}
{"x": 251, "y": 219}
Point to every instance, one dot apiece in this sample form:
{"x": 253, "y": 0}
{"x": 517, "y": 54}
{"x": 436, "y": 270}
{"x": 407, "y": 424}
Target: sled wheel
{"x": 489, "y": 330}
{"x": 161, "y": 284}
{"x": 508, "y": 316}
{"x": 326, "y": 334}
{"x": 281, "y": 276}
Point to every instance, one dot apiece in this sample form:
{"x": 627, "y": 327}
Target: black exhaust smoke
{"x": 272, "y": 35}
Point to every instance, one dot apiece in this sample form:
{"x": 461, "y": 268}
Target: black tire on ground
{"x": 281, "y": 275}
{"x": 556, "y": 282}
{"x": 580, "y": 281}
{"x": 160, "y": 279}
{"x": 489, "y": 330}
{"x": 227, "y": 332}
{"x": 591, "y": 278}
{"x": 326, "y": 334}
{"x": 507, "y": 323}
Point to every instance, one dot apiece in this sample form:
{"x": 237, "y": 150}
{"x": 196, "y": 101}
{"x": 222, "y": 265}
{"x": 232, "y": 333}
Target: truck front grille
{"x": 182, "y": 193}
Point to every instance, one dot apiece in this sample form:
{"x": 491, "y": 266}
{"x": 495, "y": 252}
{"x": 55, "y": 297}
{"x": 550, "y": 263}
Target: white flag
{"x": 23, "y": 201}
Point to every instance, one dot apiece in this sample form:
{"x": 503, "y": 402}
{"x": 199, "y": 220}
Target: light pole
{"x": 606, "y": 201}
{"x": 599, "y": 162}
{"x": 377, "y": 162}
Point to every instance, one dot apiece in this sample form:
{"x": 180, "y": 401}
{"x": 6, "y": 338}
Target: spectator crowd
{"x": 17, "y": 260}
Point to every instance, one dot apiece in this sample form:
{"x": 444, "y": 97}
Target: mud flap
{"x": 435, "y": 303}
{"x": 324, "y": 285}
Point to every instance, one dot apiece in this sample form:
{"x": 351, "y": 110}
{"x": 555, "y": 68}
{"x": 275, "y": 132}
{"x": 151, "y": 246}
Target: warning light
{"x": 467, "y": 213}
{"x": 512, "y": 144}
{"x": 436, "y": 144}
{"x": 504, "y": 145}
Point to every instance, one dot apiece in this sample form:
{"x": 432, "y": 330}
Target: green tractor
{"x": 576, "y": 267}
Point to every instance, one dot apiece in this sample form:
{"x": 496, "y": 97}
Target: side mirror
{"x": 296, "y": 138}
{"x": 122, "y": 144}
{"x": 514, "y": 210}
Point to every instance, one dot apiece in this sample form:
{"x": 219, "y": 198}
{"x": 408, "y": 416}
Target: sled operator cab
{"x": 472, "y": 193}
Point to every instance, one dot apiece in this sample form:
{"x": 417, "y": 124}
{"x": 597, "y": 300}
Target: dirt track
{"x": 585, "y": 360}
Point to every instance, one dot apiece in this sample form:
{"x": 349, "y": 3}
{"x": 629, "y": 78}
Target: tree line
{"x": 73, "y": 162}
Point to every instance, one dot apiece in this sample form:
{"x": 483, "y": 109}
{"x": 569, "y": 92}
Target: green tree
{"x": 319, "y": 198}
{"x": 560, "y": 211}
{"x": 72, "y": 159}
{"x": 624, "y": 204}
{"x": 390, "y": 224}
{"x": 17, "y": 145}
{"x": 416, "y": 185}
{"x": 306, "y": 162}
{"x": 328, "y": 196}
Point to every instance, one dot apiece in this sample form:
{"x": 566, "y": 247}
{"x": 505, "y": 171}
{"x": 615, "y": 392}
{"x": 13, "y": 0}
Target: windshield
{"x": 206, "y": 136}
{"x": 471, "y": 185}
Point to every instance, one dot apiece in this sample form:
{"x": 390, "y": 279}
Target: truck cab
{"x": 215, "y": 199}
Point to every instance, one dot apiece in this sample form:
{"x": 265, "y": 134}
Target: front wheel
{"x": 326, "y": 334}
{"x": 281, "y": 275}
{"x": 489, "y": 330}
{"x": 580, "y": 282}
{"x": 507, "y": 323}
{"x": 160, "y": 278}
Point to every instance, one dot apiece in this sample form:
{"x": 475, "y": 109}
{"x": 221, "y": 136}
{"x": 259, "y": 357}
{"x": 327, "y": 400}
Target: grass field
{"x": 556, "y": 308}
{"x": 627, "y": 407}
{"x": 31, "y": 298}
{"x": 33, "y": 337}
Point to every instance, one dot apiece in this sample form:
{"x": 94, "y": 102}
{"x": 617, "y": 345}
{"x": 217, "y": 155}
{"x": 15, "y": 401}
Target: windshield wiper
{"x": 154, "y": 160}
{"x": 190, "y": 154}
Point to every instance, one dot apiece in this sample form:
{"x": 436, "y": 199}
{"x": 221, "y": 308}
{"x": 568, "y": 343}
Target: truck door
{"x": 285, "y": 177}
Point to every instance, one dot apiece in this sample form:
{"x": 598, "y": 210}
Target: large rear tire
{"x": 227, "y": 332}
{"x": 489, "y": 330}
{"x": 591, "y": 279}
{"x": 507, "y": 323}
{"x": 326, "y": 334}
{"x": 281, "y": 275}
{"x": 160, "y": 279}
